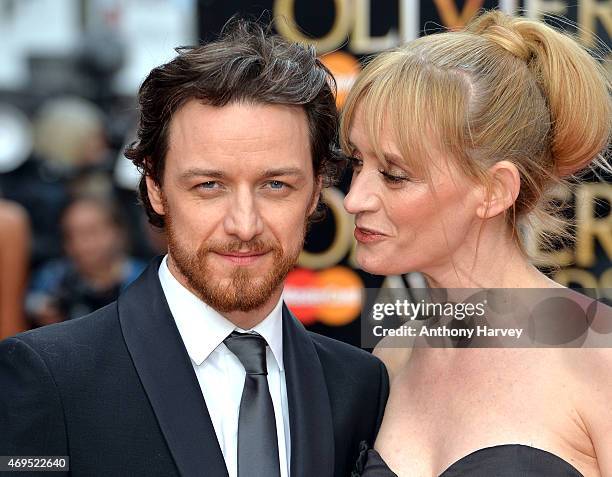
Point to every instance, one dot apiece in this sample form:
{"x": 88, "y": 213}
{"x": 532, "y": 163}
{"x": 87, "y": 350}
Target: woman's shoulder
{"x": 394, "y": 353}
{"x": 591, "y": 389}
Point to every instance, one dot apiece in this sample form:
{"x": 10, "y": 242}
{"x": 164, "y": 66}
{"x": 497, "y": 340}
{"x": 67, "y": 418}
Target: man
{"x": 199, "y": 369}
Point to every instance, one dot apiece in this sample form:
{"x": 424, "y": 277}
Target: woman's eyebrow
{"x": 393, "y": 159}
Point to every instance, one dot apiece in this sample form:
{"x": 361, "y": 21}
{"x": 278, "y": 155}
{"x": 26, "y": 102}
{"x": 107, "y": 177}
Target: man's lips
{"x": 241, "y": 258}
{"x": 366, "y": 235}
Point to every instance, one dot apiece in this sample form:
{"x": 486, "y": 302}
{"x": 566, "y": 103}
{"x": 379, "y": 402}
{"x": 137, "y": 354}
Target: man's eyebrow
{"x": 198, "y": 172}
{"x": 283, "y": 171}
{"x": 217, "y": 174}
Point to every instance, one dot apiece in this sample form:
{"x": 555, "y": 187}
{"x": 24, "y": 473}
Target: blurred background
{"x": 72, "y": 234}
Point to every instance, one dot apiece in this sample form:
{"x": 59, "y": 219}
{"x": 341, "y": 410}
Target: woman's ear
{"x": 503, "y": 190}
{"x": 155, "y": 196}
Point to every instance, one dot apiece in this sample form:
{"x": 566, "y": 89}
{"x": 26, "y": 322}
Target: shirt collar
{"x": 203, "y": 329}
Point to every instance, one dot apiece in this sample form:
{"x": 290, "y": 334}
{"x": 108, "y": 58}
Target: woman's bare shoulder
{"x": 592, "y": 392}
{"x": 394, "y": 354}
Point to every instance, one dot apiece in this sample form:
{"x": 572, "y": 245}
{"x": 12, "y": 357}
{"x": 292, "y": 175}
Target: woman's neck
{"x": 491, "y": 258}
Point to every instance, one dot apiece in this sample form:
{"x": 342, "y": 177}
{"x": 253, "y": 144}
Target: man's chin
{"x": 227, "y": 285}
{"x": 234, "y": 299}
{"x": 237, "y": 288}
{"x": 248, "y": 281}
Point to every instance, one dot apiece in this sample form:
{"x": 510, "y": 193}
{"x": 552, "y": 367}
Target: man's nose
{"x": 363, "y": 193}
{"x": 243, "y": 219}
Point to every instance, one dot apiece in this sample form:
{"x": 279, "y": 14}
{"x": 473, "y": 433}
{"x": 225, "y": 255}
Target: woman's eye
{"x": 355, "y": 163}
{"x": 394, "y": 178}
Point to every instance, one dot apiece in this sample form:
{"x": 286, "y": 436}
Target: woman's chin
{"x": 379, "y": 266}
{"x": 374, "y": 266}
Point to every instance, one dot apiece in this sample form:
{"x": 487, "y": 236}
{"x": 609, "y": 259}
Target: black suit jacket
{"x": 117, "y": 393}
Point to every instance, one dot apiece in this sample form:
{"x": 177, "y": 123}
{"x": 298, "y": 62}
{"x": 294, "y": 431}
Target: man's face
{"x": 237, "y": 189}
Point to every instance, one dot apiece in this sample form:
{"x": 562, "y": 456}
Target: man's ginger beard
{"x": 243, "y": 290}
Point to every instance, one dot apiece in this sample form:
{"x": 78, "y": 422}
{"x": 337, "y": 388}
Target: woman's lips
{"x": 364, "y": 235}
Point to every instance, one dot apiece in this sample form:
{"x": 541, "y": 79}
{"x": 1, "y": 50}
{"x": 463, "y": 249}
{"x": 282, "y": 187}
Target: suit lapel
{"x": 167, "y": 375}
{"x": 310, "y": 417}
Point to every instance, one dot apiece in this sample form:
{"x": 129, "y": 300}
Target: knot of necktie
{"x": 250, "y": 349}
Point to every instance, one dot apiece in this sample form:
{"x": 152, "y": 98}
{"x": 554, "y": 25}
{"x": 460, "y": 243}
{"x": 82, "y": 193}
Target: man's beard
{"x": 243, "y": 290}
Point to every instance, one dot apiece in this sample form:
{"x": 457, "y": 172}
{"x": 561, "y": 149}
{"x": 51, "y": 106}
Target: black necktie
{"x": 257, "y": 440}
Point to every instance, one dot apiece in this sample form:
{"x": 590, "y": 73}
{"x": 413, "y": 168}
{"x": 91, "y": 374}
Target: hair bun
{"x": 509, "y": 40}
{"x": 501, "y": 30}
{"x": 574, "y": 85}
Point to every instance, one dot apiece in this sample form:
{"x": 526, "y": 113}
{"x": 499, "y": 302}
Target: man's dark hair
{"x": 245, "y": 64}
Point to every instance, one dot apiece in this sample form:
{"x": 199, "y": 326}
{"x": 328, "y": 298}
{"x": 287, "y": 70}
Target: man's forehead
{"x": 239, "y": 138}
{"x": 239, "y": 120}
{"x": 230, "y": 169}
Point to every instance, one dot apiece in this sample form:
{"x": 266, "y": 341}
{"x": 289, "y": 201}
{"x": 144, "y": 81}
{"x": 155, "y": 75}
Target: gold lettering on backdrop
{"x": 536, "y": 9}
{"x": 343, "y": 235}
{"x": 583, "y": 278}
{"x": 588, "y": 12}
{"x": 286, "y": 25}
{"x": 409, "y": 19}
{"x": 352, "y": 19}
{"x": 508, "y": 6}
{"x": 591, "y": 227}
{"x": 361, "y": 41}
{"x": 449, "y": 14}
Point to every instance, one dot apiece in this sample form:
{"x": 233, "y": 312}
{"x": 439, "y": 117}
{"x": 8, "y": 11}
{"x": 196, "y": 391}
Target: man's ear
{"x": 316, "y": 193}
{"x": 155, "y": 194}
{"x": 503, "y": 190}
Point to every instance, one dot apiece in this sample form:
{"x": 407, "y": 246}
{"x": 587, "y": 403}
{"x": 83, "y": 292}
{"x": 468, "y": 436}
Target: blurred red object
{"x": 14, "y": 264}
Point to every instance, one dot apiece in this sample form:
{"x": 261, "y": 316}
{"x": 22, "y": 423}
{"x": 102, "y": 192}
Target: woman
{"x": 456, "y": 138}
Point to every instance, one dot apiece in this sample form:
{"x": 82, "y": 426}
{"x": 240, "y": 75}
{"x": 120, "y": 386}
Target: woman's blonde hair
{"x": 503, "y": 88}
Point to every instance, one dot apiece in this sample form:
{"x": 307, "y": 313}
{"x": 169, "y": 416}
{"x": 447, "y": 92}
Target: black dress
{"x": 510, "y": 460}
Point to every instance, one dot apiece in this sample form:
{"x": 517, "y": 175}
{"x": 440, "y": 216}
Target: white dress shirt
{"x": 220, "y": 373}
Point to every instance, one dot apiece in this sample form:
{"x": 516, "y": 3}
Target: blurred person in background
{"x": 93, "y": 272}
{"x": 14, "y": 262}
{"x": 69, "y": 133}
{"x": 70, "y": 157}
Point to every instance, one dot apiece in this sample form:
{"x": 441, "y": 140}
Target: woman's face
{"x": 403, "y": 223}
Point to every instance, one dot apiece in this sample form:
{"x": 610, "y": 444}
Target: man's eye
{"x": 208, "y": 185}
{"x": 277, "y": 185}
